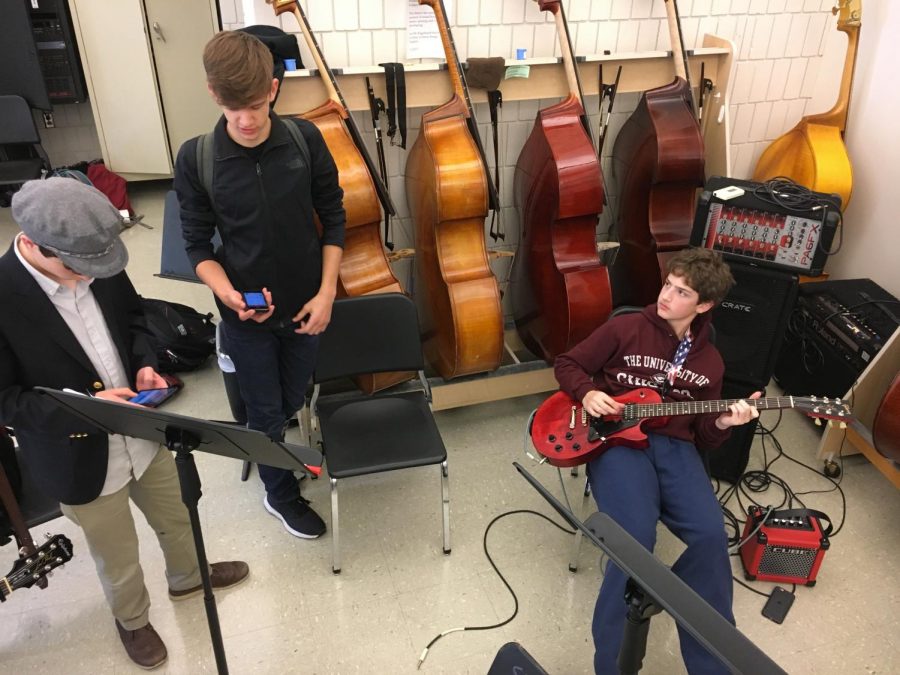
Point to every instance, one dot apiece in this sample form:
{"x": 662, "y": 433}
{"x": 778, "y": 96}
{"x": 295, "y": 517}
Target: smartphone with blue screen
{"x": 256, "y": 301}
{"x": 154, "y": 397}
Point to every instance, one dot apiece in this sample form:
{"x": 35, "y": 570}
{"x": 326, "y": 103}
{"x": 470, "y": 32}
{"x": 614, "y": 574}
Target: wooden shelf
{"x": 427, "y": 85}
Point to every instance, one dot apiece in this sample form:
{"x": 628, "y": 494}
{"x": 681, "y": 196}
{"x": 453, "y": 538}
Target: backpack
{"x": 206, "y": 159}
{"x": 182, "y": 338}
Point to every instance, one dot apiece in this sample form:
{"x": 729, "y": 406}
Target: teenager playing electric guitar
{"x": 665, "y": 347}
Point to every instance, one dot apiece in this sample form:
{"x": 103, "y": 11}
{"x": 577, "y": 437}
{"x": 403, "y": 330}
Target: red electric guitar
{"x": 566, "y": 435}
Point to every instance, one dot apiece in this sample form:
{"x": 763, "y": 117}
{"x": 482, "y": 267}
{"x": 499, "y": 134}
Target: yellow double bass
{"x": 813, "y": 152}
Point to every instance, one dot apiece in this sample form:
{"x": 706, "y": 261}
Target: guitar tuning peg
{"x": 818, "y": 422}
{"x": 831, "y": 423}
{"x": 842, "y": 425}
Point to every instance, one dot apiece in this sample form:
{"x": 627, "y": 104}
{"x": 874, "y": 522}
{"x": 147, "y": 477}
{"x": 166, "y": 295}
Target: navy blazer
{"x": 66, "y": 456}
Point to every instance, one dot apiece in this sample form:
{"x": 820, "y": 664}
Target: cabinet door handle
{"x": 158, "y": 31}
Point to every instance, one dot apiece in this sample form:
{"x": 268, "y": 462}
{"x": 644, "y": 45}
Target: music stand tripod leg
{"x": 637, "y": 625}
{"x": 182, "y": 442}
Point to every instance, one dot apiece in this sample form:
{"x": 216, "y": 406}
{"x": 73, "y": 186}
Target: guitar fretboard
{"x": 674, "y": 408}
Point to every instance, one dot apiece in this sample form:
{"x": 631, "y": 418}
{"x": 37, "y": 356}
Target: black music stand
{"x": 182, "y": 435}
{"x": 653, "y": 587}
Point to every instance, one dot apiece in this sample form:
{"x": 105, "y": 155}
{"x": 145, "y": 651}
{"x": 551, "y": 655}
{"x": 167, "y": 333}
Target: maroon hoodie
{"x": 635, "y": 350}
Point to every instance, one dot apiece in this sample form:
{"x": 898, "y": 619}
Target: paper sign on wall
{"x": 423, "y": 41}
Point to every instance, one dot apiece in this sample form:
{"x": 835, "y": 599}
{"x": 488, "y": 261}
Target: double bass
{"x": 560, "y": 290}
{"x": 448, "y": 192}
{"x": 658, "y": 162}
{"x": 364, "y": 265}
{"x": 813, "y": 153}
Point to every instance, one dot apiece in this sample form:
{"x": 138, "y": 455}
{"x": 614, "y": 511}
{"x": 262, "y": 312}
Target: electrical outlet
{"x": 48, "y": 120}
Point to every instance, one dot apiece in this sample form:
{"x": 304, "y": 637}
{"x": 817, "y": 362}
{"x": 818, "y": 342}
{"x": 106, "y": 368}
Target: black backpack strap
{"x": 205, "y": 162}
{"x": 206, "y": 155}
{"x": 301, "y": 143}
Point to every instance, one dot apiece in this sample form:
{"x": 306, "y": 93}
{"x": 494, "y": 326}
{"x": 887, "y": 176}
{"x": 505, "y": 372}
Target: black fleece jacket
{"x": 265, "y": 212}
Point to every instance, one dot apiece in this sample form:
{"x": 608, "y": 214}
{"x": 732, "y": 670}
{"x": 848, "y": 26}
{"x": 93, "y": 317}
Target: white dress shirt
{"x": 128, "y": 457}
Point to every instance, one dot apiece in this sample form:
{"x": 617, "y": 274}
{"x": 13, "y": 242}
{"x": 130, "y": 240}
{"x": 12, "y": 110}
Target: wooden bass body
{"x": 456, "y": 292}
{"x": 658, "y": 162}
{"x": 364, "y": 265}
{"x": 813, "y": 153}
{"x": 560, "y": 291}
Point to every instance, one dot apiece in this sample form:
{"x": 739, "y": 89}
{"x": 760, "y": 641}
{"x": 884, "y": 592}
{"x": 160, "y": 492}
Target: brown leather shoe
{"x": 144, "y": 646}
{"x": 222, "y": 575}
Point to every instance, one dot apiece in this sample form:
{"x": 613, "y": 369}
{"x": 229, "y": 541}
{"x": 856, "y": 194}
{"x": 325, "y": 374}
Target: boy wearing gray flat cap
{"x": 72, "y": 320}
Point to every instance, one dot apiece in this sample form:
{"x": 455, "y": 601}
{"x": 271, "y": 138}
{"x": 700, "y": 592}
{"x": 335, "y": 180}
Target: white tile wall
{"x": 778, "y": 47}
{"x": 73, "y": 138}
{"x": 778, "y": 51}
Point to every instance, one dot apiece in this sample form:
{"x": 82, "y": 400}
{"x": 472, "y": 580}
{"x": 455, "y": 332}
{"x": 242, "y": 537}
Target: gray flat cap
{"x": 75, "y": 221}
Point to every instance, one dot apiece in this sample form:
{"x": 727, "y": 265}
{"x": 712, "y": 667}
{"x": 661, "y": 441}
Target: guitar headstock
{"x": 849, "y": 14}
{"x": 29, "y": 569}
{"x": 822, "y": 408}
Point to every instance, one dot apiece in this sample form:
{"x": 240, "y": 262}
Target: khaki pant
{"x": 109, "y": 529}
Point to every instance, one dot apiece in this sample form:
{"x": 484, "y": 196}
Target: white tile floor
{"x": 397, "y": 590}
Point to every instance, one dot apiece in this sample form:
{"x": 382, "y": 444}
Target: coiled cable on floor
{"x": 487, "y": 554}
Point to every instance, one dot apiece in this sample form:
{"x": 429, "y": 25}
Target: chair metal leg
{"x": 335, "y": 532}
{"x": 576, "y": 545}
{"x": 245, "y": 470}
{"x": 445, "y": 499}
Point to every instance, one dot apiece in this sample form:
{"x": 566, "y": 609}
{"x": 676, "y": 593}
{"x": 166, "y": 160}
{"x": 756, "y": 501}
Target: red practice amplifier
{"x": 787, "y": 547}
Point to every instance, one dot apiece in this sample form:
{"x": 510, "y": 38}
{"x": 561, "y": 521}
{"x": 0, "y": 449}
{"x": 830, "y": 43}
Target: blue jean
{"x": 273, "y": 368}
{"x": 637, "y": 488}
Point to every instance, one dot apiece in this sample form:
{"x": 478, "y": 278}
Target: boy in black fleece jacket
{"x": 264, "y": 195}
{"x": 665, "y": 347}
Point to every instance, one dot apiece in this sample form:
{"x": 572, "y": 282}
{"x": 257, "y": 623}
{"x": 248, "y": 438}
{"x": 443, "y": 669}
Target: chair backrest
{"x": 370, "y": 334}
{"x": 18, "y": 124}
{"x": 631, "y": 309}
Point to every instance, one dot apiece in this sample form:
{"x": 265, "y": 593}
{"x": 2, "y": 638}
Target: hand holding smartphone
{"x": 255, "y": 300}
{"x": 153, "y": 397}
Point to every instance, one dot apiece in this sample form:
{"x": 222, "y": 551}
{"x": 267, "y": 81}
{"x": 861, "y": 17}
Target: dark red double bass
{"x": 658, "y": 163}
{"x": 560, "y": 291}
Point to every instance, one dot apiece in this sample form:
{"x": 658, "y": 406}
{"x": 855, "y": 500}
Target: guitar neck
{"x": 675, "y": 408}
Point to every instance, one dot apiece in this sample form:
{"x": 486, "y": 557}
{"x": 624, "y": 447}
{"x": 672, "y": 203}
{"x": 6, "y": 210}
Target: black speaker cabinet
{"x": 751, "y": 321}
{"x": 834, "y": 331}
{"x": 729, "y": 461}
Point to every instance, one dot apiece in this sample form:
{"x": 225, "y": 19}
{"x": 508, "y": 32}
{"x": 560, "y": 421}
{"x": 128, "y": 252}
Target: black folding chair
{"x": 22, "y": 157}
{"x": 391, "y": 430}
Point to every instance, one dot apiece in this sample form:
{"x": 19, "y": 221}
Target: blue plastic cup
{"x": 290, "y": 64}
